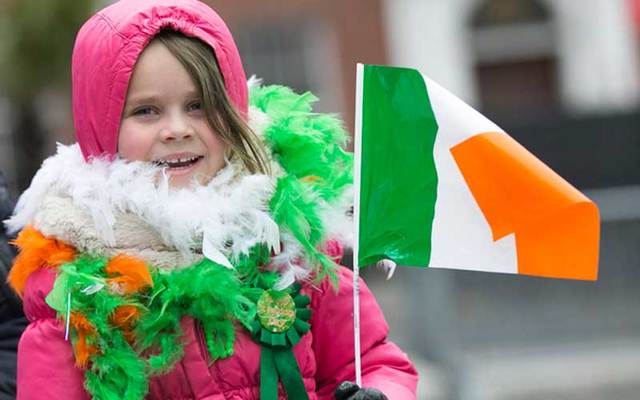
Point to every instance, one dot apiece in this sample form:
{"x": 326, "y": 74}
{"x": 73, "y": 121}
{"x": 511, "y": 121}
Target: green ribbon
{"x": 280, "y": 363}
{"x": 277, "y": 362}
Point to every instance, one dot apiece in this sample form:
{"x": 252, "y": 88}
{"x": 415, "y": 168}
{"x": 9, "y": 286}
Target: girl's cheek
{"x": 133, "y": 144}
{"x": 215, "y": 144}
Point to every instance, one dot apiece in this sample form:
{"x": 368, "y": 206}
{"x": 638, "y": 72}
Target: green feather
{"x": 309, "y": 147}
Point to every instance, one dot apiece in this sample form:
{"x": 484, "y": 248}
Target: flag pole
{"x": 356, "y": 221}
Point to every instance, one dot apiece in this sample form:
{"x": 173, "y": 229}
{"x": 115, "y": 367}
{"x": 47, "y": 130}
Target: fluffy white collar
{"x": 231, "y": 209}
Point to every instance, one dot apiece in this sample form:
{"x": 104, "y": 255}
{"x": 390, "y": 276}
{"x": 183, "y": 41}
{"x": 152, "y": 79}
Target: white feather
{"x": 258, "y": 121}
{"x": 254, "y": 82}
{"x": 337, "y": 218}
{"x": 389, "y": 266}
{"x": 289, "y": 263}
{"x": 212, "y": 253}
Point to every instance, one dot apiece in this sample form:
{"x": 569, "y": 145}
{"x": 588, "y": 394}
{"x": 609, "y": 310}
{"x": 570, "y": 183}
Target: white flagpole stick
{"x": 356, "y": 220}
{"x": 66, "y": 329}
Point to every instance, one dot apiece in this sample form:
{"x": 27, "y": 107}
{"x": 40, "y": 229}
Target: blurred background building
{"x": 561, "y": 76}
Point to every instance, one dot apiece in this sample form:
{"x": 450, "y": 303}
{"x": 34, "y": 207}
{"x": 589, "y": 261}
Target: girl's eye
{"x": 195, "y": 106}
{"x": 142, "y": 111}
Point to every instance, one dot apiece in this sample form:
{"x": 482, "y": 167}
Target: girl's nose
{"x": 177, "y": 128}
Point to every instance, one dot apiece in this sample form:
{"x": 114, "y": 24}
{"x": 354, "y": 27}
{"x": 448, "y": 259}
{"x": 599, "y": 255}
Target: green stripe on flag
{"x": 398, "y": 175}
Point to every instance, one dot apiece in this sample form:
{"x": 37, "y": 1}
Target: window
{"x": 515, "y": 63}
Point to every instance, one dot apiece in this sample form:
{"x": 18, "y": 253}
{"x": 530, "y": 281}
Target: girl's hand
{"x": 350, "y": 391}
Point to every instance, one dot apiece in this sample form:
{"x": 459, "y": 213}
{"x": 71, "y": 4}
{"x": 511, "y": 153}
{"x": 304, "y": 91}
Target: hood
{"x": 106, "y": 50}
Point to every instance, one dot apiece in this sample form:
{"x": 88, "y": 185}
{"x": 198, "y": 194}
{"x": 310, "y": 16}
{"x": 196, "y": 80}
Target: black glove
{"x": 350, "y": 391}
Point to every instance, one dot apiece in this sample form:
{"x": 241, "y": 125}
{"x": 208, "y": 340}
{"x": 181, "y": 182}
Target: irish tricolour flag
{"x": 441, "y": 186}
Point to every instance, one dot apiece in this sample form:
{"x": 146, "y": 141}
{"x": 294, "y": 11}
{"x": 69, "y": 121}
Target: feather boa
{"x": 230, "y": 209}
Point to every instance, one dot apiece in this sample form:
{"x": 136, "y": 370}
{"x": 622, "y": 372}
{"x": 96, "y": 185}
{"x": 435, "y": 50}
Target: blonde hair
{"x": 200, "y": 62}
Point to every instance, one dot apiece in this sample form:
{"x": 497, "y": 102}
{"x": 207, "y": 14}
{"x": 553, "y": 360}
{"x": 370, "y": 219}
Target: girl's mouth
{"x": 183, "y": 166}
{"x": 178, "y": 163}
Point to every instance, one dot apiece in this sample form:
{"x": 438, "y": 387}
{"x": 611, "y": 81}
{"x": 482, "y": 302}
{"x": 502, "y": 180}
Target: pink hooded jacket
{"x": 106, "y": 49}
{"x": 325, "y": 355}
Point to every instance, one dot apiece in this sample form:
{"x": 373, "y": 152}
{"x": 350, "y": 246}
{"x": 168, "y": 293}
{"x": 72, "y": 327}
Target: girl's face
{"x": 164, "y": 121}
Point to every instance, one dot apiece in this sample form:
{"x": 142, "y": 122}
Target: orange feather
{"x": 83, "y": 351}
{"x": 83, "y": 329}
{"x": 36, "y": 251}
{"x": 309, "y": 178}
{"x": 125, "y": 317}
{"x": 130, "y": 274}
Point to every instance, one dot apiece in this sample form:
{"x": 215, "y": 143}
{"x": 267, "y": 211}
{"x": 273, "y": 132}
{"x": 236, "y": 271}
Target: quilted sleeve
{"x": 46, "y": 368}
{"x": 384, "y": 365}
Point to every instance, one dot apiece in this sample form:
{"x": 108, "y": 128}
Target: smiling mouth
{"x": 178, "y": 162}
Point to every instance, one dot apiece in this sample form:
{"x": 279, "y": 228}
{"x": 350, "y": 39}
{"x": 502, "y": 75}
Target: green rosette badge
{"x": 281, "y": 320}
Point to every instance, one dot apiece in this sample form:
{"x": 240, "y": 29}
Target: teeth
{"x": 180, "y": 160}
{"x": 177, "y": 160}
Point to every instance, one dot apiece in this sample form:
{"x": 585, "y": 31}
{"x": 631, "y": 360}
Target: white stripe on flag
{"x": 461, "y": 237}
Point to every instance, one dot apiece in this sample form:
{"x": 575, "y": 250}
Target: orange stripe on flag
{"x": 557, "y": 229}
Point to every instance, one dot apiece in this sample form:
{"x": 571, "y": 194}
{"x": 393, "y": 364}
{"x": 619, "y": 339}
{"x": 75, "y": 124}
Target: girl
{"x": 185, "y": 248}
